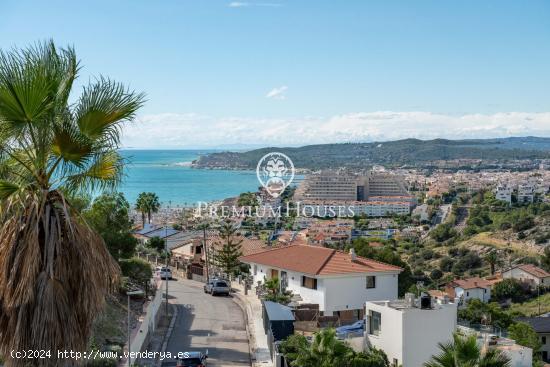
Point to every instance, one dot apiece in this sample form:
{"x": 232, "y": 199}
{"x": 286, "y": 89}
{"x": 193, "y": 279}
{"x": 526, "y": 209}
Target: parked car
{"x": 357, "y": 328}
{"x": 192, "y": 359}
{"x": 217, "y": 286}
{"x": 165, "y": 273}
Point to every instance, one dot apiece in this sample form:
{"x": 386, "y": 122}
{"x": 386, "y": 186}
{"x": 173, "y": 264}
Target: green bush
{"x": 508, "y": 289}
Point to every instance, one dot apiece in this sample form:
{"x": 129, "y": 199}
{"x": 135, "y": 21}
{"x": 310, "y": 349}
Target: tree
{"x": 138, "y": 270}
{"x": 327, "y": 351}
{"x": 493, "y": 259}
{"x": 443, "y": 232}
{"x": 147, "y": 203}
{"x": 389, "y": 256}
{"x": 156, "y": 243}
{"x": 108, "y": 215}
{"x": 55, "y": 269}
{"x": 525, "y": 335}
{"x": 545, "y": 260}
{"x": 226, "y": 256}
{"x": 274, "y": 292}
{"x": 508, "y": 288}
{"x": 478, "y": 312}
{"x": 464, "y": 351}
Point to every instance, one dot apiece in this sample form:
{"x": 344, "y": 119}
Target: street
{"x": 210, "y": 323}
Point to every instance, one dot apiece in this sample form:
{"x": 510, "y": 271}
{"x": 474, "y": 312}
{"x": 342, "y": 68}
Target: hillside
{"x": 411, "y": 152}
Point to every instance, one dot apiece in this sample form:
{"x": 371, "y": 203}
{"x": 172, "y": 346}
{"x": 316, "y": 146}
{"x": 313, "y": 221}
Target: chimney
{"x": 352, "y": 254}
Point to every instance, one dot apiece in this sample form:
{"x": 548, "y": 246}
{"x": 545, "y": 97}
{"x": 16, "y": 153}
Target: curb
{"x": 167, "y": 336}
{"x": 237, "y": 298}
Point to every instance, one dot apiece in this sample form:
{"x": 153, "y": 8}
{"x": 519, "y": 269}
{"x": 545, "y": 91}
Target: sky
{"x": 287, "y": 73}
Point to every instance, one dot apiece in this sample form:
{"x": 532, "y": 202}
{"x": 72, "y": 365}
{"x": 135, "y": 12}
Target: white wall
{"x": 411, "y": 335}
{"x": 351, "y": 293}
{"x": 482, "y": 294}
{"x": 336, "y": 293}
{"x": 524, "y": 276}
{"x": 390, "y": 339}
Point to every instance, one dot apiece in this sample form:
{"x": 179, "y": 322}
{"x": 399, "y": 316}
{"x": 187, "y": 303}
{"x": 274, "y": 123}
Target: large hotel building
{"x": 374, "y": 194}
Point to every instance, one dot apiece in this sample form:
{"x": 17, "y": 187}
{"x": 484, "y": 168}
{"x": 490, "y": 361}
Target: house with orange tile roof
{"x": 339, "y": 282}
{"x": 470, "y": 288}
{"x": 529, "y": 274}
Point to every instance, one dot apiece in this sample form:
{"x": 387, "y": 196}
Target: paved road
{"x": 207, "y": 322}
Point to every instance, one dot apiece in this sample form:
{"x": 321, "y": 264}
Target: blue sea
{"x": 169, "y": 175}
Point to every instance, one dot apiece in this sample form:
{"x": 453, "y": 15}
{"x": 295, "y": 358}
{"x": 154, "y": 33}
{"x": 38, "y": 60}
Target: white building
{"x": 381, "y": 208}
{"x": 422, "y": 212}
{"x": 519, "y": 355}
{"x": 542, "y": 327}
{"x": 338, "y": 282}
{"x": 471, "y": 288}
{"x": 530, "y": 274}
{"x": 526, "y": 192}
{"x": 504, "y": 193}
{"x": 408, "y": 333}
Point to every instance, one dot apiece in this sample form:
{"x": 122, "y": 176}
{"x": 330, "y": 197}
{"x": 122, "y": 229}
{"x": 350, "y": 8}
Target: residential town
{"x": 327, "y": 272}
{"x": 274, "y": 183}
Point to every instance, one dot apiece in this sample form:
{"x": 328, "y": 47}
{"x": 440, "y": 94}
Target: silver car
{"x": 217, "y": 286}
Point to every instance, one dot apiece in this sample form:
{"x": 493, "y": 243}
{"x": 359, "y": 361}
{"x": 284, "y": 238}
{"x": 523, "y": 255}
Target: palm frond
{"x": 103, "y": 172}
{"x": 103, "y": 106}
{"x": 7, "y": 189}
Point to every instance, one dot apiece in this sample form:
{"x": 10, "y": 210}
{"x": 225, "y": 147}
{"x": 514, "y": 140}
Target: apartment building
{"x": 341, "y": 185}
{"x": 503, "y": 192}
{"x": 409, "y": 330}
{"x": 328, "y": 185}
{"x": 526, "y": 192}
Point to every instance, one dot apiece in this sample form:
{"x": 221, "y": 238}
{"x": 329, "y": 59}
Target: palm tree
{"x": 465, "y": 352}
{"x": 492, "y": 258}
{"x": 325, "y": 351}
{"x": 147, "y": 203}
{"x": 141, "y": 206}
{"x": 153, "y": 204}
{"x": 55, "y": 270}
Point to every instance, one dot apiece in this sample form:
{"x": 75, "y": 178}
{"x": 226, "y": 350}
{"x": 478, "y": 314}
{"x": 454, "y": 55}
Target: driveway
{"x": 205, "y": 322}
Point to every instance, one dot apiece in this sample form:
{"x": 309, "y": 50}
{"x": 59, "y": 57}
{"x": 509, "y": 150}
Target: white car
{"x": 163, "y": 272}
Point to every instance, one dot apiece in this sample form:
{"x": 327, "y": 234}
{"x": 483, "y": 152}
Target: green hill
{"x": 410, "y": 152}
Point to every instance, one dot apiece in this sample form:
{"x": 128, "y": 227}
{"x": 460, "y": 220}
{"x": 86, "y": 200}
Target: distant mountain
{"x": 411, "y": 152}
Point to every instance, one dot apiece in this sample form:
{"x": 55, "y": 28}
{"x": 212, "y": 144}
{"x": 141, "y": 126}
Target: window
{"x": 543, "y": 340}
{"x": 371, "y": 282}
{"x": 545, "y": 356}
{"x": 375, "y": 322}
{"x": 467, "y": 294}
{"x": 395, "y": 362}
{"x": 255, "y": 269}
{"x": 308, "y": 282}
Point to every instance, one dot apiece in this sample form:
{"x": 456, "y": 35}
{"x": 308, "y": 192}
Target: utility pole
{"x": 204, "y": 227}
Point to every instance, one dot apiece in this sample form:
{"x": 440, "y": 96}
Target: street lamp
{"x": 131, "y": 293}
{"x": 204, "y": 226}
{"x": 166, "y": 252}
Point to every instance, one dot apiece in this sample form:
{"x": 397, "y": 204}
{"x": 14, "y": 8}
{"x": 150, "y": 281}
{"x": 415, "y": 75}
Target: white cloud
{"x": 237, "y": 4}
{"x": 277, "y": 93}
{"x": 192, "y": 130}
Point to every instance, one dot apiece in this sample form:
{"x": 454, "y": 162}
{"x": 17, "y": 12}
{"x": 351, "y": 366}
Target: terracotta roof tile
{"x": 471, "y": 283}
{"x": 534, "y": 270}
{"x": 317, "y": 260}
